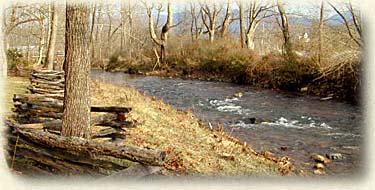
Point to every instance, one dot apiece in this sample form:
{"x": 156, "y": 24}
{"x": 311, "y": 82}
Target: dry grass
{"x": 192, "y": 148}
{"x": 14, "y": 85}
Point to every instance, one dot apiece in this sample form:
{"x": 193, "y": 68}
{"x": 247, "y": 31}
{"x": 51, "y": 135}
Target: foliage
{"x": 224, "y": 61}
{"x": 16, "y": 63}
{"x": 341, "y": 78}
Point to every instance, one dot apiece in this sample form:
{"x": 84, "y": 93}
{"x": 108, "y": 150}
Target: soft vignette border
{"x": 363, "y": 181}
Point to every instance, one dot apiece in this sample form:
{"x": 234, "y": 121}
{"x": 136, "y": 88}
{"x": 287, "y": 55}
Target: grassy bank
{"x": 223, "y": 61}
{"x": 14, "y": 85}
{"x": 192, "y": 148}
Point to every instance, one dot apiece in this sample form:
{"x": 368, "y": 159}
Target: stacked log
{"x": 72, "y": 156}
{"x": 47, "y": 82}
{"x": 34, "y": 136}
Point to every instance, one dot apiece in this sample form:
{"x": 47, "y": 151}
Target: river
{"x": 302, "y": 125}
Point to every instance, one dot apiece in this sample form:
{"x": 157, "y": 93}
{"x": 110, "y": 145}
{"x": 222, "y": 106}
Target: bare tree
{"x": 242, "y": 24}
{"x": 108, "y": 42}
{"x": 3, "y": 57}
{"x": 257, "y": 12}
{"x": 227, "y": 20}
{"x": 99, "y": 29}
{"x": 76, "y": 119}
{"x": 39, "y": 14}
{"x": 210, "y": 12}
{"x": 123, "y": 25}
{"x": 321, "y": 22}
{"x": 352, "y": 22}
{"x": 162, "y": 42}
{"x": 284, "y": 25}
{"x": 49, "y": 63}
{"x": 17, "y": 20}
{"x": 130, "y": 14}
{"x": 42, "y": 42}
{"x": 93, "y": 22}
{"x": 22, "y": 14}
{"x": 196, "y": 30}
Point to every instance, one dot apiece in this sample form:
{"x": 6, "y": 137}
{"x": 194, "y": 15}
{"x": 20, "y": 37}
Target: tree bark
{"x": 242, "y": 25}
{"x": 162, "y": 42}
{"x": 84, "y": 146}
{"x": 3, "y": 57}
{"x": 52, "y": 39}
{"x": 287, "y": 47}
{"x": 227, "y": 20}
{"x": 123, "y": 26}
{"x": 194, "y": 22}
{"x": 320, "y": 52}
{"x": 76, "y": 119}
{"x": 212, "y": 14}
{"x": 108, "y": 43}
{"x": 28, "y": 55}
{"x": 250, "y": 38}
{"x": 42, "y": 41}
{"x": 97, "y": 35}
{"x": 92, "y": 47}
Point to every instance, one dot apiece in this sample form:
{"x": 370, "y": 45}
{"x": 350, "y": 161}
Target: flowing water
{"x": 302, "y": 125}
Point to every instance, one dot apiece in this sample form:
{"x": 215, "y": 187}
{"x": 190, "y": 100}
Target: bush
{"x": 274, "y": 71}
{"x": 16, "y": 62}
{"x": 222, "y": 60}
{"x": 341, "y": 77}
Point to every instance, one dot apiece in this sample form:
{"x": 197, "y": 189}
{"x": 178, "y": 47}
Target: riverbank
{"x": 192, "y": 149}
{"x": 338, "y": 78}
{"x": 287, "y": 124}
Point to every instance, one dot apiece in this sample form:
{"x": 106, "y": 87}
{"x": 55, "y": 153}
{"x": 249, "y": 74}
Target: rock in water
{"x": 269, "y": 155}
{"x": 319, "y": 172}
{"x": 284, "y": 148}
{"x": 238, "y": 95}
{"x": 326, "y": 98}
{"x": 319, "y": 166}
{"x": 320, "y": 158}
{"x": 335, "y": 156}
{"x": 304, "y": 89}
{"x": 250, "y": 120}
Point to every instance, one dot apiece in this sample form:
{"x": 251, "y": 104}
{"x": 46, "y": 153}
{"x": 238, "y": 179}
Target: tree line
{"x": 132, "y": 27}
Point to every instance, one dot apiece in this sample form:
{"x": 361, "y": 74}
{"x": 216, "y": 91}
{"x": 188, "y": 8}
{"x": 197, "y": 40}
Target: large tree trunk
{"x": 211, "y": 35}
{"x": 250, "y": 38}
{"x": 52, "y": 39}
{"x": 164, "y": 34}
{"x": 162, "y": 42}
{"x": 76, "y": 119}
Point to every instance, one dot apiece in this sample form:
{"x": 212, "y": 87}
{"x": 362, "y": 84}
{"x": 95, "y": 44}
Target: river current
{"x": 286, "y": 124}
